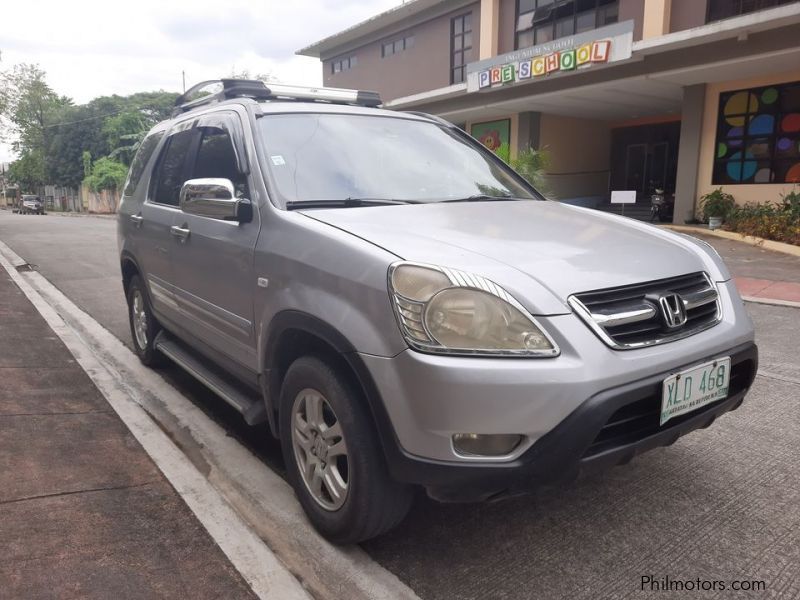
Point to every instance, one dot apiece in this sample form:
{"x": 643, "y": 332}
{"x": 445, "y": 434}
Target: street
{"x": 720, "y": 503}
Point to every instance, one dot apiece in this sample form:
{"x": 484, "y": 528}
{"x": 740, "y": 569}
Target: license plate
{"x": 690, "y": 389}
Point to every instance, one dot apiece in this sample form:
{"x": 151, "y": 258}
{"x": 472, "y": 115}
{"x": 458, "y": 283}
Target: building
{"x": 679, "y": 95}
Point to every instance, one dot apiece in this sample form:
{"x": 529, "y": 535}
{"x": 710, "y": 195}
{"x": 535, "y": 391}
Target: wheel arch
{"x": 293, "y": 334}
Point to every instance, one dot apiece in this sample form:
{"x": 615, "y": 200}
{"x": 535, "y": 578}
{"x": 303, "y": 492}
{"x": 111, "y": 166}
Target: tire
{"x": 138, "y": 309}
{"x": 372, "y": 503}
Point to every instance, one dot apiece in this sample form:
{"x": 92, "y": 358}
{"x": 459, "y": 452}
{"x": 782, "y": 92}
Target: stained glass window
{"x": 758, "y": 136}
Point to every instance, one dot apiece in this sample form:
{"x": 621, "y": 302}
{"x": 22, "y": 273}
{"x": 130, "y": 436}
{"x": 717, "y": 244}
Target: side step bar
{"x": 251, "y": 406}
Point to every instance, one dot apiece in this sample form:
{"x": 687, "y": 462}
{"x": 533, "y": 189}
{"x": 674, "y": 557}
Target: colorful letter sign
{"x": 546, "y": 64}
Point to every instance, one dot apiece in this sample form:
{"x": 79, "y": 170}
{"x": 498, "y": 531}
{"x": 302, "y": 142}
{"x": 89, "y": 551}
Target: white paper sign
{"x": 623, "y": 197}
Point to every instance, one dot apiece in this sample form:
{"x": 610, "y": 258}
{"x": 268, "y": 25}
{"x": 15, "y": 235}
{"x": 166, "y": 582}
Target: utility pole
{"x": 183, "y": 74}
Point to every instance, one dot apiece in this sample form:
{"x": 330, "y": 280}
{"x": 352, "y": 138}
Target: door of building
{"x": 645, "y": 158}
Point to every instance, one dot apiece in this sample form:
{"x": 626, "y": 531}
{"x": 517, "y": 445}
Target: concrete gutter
{"x": 789, "y": 249}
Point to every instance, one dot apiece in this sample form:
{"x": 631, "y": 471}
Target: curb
{"x": 782, "y": 247}
{"x": 771, "y": 302}
{"x": 258, "y": 496}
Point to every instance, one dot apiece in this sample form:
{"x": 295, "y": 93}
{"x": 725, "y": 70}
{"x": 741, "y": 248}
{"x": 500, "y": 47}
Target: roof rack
{"x": 217, "y": 90}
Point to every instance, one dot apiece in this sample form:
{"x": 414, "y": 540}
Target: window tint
{"x": 171, "y": 169}
{"x": 334, "y": 156}
{"x": 542, "y": 21}
{"x": 143, "y": 154}
{"x": 216, "y": 157}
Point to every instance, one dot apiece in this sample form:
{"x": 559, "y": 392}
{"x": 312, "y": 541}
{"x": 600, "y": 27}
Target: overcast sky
{"x": 90, "y": 48}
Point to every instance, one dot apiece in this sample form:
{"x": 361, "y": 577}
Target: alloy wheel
{"x": 320, "y": 449}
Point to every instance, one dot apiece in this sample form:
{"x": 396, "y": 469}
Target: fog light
{"x": 480, "y": 444}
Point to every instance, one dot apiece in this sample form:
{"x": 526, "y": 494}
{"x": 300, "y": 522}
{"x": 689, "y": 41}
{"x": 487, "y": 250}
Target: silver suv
{"x": 403, "y": 310}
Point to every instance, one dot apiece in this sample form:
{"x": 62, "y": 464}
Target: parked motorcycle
{"x": 661, "y": 207}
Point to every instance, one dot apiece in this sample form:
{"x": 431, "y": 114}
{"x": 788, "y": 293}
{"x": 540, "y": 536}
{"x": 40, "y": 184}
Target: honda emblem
{"x": 673, "y": 310}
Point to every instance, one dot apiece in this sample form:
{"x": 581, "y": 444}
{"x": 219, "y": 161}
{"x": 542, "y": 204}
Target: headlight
{"x": 449, "y": 311}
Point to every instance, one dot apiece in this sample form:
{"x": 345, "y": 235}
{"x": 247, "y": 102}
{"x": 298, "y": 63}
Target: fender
{"x": 270, "y": 380}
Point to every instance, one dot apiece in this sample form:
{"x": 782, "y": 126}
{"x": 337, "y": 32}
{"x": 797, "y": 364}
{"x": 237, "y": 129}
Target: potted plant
{"x": 716, "y": 206}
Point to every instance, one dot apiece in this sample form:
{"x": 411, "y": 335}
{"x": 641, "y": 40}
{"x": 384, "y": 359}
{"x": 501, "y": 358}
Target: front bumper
{"x": 560, "y": 405}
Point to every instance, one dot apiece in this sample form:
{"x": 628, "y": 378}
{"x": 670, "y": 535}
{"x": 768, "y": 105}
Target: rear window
{"x": 140, "y": 161}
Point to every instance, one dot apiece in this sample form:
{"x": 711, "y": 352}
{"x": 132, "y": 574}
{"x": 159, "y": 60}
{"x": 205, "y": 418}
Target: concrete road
{"x": 719, "y": 505}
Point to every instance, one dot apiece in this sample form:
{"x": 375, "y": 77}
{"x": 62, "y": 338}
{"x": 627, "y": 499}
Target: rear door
{"x": 156, "y": 242}
{"x": 214, "y": 272}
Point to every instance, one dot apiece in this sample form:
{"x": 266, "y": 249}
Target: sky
{"x": 90, "y": 48}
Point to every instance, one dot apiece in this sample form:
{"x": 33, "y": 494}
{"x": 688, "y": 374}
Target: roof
{"x": 393, "y": 16}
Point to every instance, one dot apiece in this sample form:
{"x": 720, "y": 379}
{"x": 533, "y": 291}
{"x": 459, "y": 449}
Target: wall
{"x": 102, "y": 202}
{"x": 580, "y": 155}
{"x": 633, "y": 9}
{"x": 686, "y": 14}
{"x": 742, "y": 193}
{"x": 508, "y": 26}
{"x": 421, "y": 68}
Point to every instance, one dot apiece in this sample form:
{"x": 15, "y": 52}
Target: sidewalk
{"x": 84, "y": 512}
{"x": 760, "y": 274}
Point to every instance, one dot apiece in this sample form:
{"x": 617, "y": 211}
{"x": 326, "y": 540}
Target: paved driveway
{"x": 721, "y": 504}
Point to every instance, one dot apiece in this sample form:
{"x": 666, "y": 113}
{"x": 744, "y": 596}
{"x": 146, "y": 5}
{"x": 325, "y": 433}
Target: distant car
{"x": 404, "y": 310}
{"x": 31, "y": 205}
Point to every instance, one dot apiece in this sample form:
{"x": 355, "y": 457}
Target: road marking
{"x": 265, "y": 574}
{"x": 217, "y": 461}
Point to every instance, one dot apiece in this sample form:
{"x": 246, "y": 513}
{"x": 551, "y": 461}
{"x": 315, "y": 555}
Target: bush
{"x": 106, "y": 174}
{"x": 717, "y": 204}
{"x": 532, "y": 165}
{"x": 779, "y": 222}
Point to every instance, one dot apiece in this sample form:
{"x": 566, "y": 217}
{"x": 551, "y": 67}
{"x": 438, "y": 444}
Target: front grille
{"x": 641, "y": 418}
{"x": 632, "y": 316}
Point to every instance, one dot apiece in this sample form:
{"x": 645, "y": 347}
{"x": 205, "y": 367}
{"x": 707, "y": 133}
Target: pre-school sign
{"x": 573, "y": 53}
{"x": 565, "y": 60}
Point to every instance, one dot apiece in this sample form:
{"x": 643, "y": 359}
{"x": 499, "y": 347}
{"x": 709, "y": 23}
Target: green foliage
{"x": 28, "y": 171}
{"x": 717, "y": 204}
{"x": 773, "y": 221}
{"x": 87, "y": 163}
{"x": 532, "y": 165}
{"x": 28, "y": 105}
{"x": 107, "y": 174}
{"x": 504, "y": 152}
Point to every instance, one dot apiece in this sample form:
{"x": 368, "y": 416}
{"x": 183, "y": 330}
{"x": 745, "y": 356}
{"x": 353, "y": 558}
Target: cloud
{"x": 90, "y": 48}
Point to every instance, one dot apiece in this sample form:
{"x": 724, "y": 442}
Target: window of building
{"x": 542, "y": 21}
{"x": 397, "y": 46}
{"x": 724, "y": 9}
{"x": 171, "y": 171}
{"x": 460, "y": 46}
{"x": 758, "y": 136}
{"x": 343, "y": 64}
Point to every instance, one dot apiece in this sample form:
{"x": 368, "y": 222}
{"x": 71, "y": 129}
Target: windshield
{"x": 333, "y": 157}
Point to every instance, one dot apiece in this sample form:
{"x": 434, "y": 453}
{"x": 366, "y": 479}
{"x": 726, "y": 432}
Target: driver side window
{"x": 216, "y": 155}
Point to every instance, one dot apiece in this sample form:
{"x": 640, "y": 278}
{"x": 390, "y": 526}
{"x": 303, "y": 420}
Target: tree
{"x": 29, "y": 105}
{"x": 27, "y": 171}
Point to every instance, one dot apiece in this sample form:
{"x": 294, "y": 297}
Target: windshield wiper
{"x": 344, "y": 203}
{"x": 480, "y": 198}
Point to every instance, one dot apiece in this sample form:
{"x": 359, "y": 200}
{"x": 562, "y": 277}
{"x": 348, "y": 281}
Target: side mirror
{"x": 216, "y": 199}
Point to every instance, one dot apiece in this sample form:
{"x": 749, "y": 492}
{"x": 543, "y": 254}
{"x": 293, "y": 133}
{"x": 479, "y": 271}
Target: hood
{"x": 540, "y": 251}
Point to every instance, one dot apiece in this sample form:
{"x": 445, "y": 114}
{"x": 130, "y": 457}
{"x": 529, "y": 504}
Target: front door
{"x": 213, "y": 265}
{"x": 645, "y": 158}
{"x": 155, "y": 243}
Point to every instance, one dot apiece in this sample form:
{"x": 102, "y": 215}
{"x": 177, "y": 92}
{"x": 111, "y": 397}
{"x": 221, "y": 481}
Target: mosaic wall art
{"x": 758, "y": 136}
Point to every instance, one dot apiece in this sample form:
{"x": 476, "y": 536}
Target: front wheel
{"x": 144, "y": 326}
{"x": 333, "y": 458}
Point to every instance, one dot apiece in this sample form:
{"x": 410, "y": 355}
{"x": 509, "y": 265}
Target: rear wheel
{"x": 333, "y": 458}
{"x": 144, "y": 326}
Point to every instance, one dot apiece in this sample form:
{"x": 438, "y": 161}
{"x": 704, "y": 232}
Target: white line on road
{"x": 220, "y": 462}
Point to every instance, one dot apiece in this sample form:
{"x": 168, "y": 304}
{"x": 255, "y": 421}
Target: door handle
{"x": 137, "y": 220}
{"x": 180, "y": 232}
